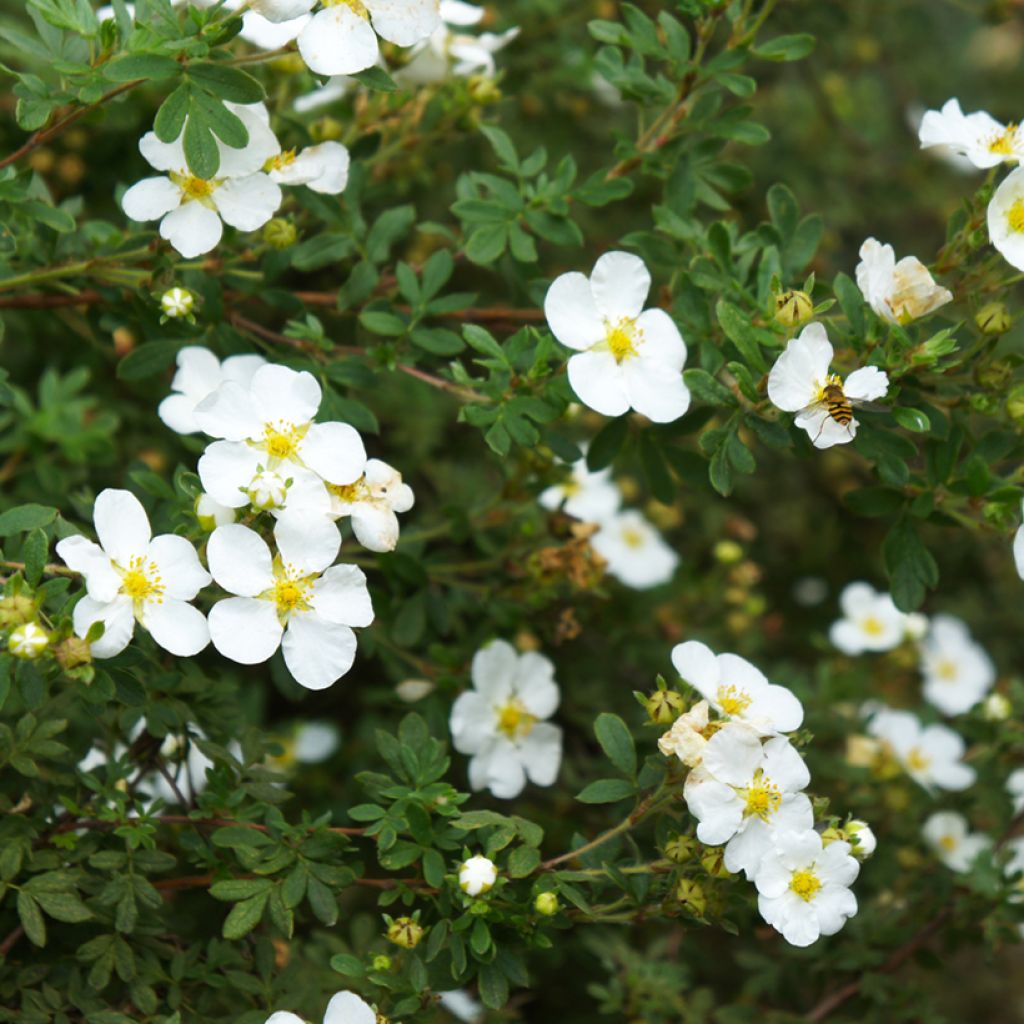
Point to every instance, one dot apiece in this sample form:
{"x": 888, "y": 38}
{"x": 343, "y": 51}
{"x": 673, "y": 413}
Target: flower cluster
{"x": 746, "y": 788}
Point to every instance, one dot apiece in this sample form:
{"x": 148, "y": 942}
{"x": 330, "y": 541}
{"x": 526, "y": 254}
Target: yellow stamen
{"x": 283, "y": 159}
{"x": 1015, "y": 216}
{"x": 356, "y": 5}
{"x": 198, "y": 189}
{"x": 805, "y": 884}
{"x": 946, "y": 669}
{"x": 290, "y": 592}
{"x": 632, "y": 537}
{"x": 872, "y": 626}
{"x": 1002, "y": 144}
{"x": 948, "y": 843}
{"x": 918, "y": 760}
{"x": 142, "y": 582}
{"x": 622, "y": 338}
{"x": 763, "y": 798}
{"x": 733, "y": 701}
{"x": 282, "y": 440}
{"x": 351, "y": 493}
{"x": 515, "y": 721}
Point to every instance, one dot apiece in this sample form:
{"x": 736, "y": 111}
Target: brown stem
{"x": 184, "y": 819}
{"x": 205, "y": 881}
{"x": 8, "y": 944}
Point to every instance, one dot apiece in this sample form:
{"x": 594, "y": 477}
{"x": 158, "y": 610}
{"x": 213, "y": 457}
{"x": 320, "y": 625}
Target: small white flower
{"x": 947, "y": 833}
{"x": 132, "y": 576}
{"x": 915, "y": 625}
{"x": 871, "y": 622}
{"x": 344, "y": 1008}
{"x": 686, "y": 738}
{"x": 190, "y": 209}
{"x": 804, "y": 888}
{"x": 1015, "y": 787}
{"x": 957, "y": 671}
{"x": 897, "y": 292}
{"x": 268, "y": 427}
{"x": 477, "y": 875}
{"x": 866, "y": 843}
{"x": 372, "y": 502}
{"x": 177, "y": 303}
{"x": 501, "y": 723}
{"x": 341, "y": 39}
{"x": 1006, "y": 218}
{"x": 322, "y": 168}
{"x": 28, "y": 641}
{"x": 978, "y": 136}
{"x": 199, "y": 374}
{"x": 293, "y": 601}
{"x": 800, "y": 382}
{"x": 996, "y": 708}
{"x": 211, "y": 513}
{"x": 1018, "y": 548}
{"x": 636, "y": 553}
{"x": 308, "y": 743}
{"x": 591, "y": 497}
{"x": 931, "y": 755}
{"x": 745, "y": 791}
{"x": 738, "y": 689}
{"x": 627, "y": 358}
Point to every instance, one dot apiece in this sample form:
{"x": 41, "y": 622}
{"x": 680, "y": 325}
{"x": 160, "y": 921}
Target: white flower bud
{"x": 28, "y": 641}
{"x": 177, "y": 303}
{"x": 866, "y": 842}
{"x": 996, "y": 708}
{"x": 267, "y": 490}
{"x": 212, "y": 513}
{"x": 477, "y": 875}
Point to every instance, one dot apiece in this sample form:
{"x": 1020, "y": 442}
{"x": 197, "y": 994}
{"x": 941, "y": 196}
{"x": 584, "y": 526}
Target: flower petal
{"x": 796, "y": 377}
{"x": 307, "y": 541}
{"x": 655, "y": 390}
{"x": 318, "y": 653}
{"x": 226, "y": 469}
{"x": 117, "y": 617}
{"x": 240, "y": 560}
{"x": 282, "y": 395}
{"x": 375, "y": 527}
{"x": 620, "y": 282}
{"x": 572, "y": 313}
{"x": 494, "y": 670}
{"x": 697, "y": 664}
{"x": 122, "y": 525}
{"x": 245, "y": 629}
{"x": 599, "y": 382}
{"x": 541, "y": 752}
{"x": 193, "y": 229}
{"x": 534, "y": 684}
{"x": 182, "y": 574}
{"x": 176, "y": 626}
{"x": 348, "y": 1008}
{"x": 866, "y": 384}
{"x": 335, "y": 451}
{"x": 81, "y": 555}
{"x": 340, "y": 595}
{"x": 337, "y": 41}
{"x": 472, "y": 722}
{"x": 334, "y": 167}
{"x": 248, "y": 203}
{"x": 151, "y": 199}
{"x": 405, "y": 22}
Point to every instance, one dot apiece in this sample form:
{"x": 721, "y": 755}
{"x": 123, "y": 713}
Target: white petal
{"x": 83, "y": 556}
{"x": 226, "y": 469}
{"x": 176, "y": 626}
{"x": 335, "y": 451}
{"x": 182, "y": 574}
{"x": 118, "y": 620}
{"x": 279, "y": 11}
{"x": 307, "y": 542}
{"x": 696, "y": 663}
{"x": 655, "y": 390}
{"x": 178, "y": 413}
{"x": 230, "y": 413}
{"x": 266, "y": 34}
{"x": 337, "y": 41}
{"x": 248, "y": 203}
{"x": 245, "y": 629}
{"x": 284, "y": 1017}
{"x": 317, "y": 653}
{"x": 122, "y": 525}
{"x": 541, "y": 752}
{"x": 150, "y": 199}
{"x": 733, "y": 754}
{"x": 506, "y": 775}
{"x": 796, "y": 377}
{"x": 494, "y": 670}
{"x": 163, "y": 156}
{"x": 599, "y": 382}
{"x": 572, "y": 313}
{"x": 405, "y": 22}
{"x": 242, "y": 369}
{"x": 534, "y": 684}
{"x": 193, "y": 229}
{"x": 620, "y": 282}
{"x": 348, "y": 1008}
{"x": 661, "y": 341}
{"x": 284, "y": 395}
{"x": 334, "y": 167}
{"x": 471, "y": 722}
{"x": 341, "y": 596}
{"x": 376, "y": 528}
{"x": 240, "y": 560}
{"x": 866, "y": 384}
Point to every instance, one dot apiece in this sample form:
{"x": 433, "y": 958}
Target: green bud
{"x": 981, "y": 402}
{"x": 546, "y": 903}
{"x": 665, "y": 706}
{"x": 405, "y": 932}
{"x": 793, "y": 308}
{"x": 995, "y": 376}
{"x": 327, "y": 129}
{"x": 381, "y": 963}
{"x": 993, "y": 318}
{"x": 691, "y": 895}
{"x": 712, "y": 860}
{"x": 680, "y": 849}
{"x": 16, "y": 610}
{"x": 279, "y": 233}
{"x": 28, "y": 641}
{"x": 728, "y": 552}
{"x": 1015, "y": 404}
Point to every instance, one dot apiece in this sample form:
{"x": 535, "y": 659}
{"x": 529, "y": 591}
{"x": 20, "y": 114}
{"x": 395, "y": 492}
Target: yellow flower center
{"x": 622, "y": 339}
{"x": 872, "y": 626}
{"x": 141, "y": 581}
{"x": 290, "y": 592}
{"x": 805, "y": 884}
{"x": 1015, "y": 216}
{"x": 282, "y": 160}
{"x": 351, "y": 493}
{"x": 632, "y": 537}
{"x": 948, "y": 843}
{"x": 282, "y": 441}
{"x": 1003, "y": 144}
{"x": 356, "y": 5}
{"x": 514, "y": 720}
{"x": 198, "y": 189}
{"x": 918, "y": 760}
{"x": 946, "y": 669}
{"x": 732, "y": 700}
{"x": 763, "y": 798}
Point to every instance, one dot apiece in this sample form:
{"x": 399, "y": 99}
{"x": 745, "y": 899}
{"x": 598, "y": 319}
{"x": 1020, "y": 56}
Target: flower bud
{"x": 28, "y": 641}
{"x": 1015, "y": 404}
{"x": 546, "y": 903}
{"x": 691, "y": 895}
{"x": 279, "y": 233}
{"x": 832, "y": 835}
{"x": 381, "y": 963}
{"x": 211, "y": 513}
{"x": 124, "y": 341}
{"x": 477, "y": 876}
{"x": 728, "y": 552}
{"x": 412, "y": 690}
{"x": 405, "y": 932}
{"x": 483, "y": 89}
{"x": 680, "y": 849}
{"x": 862, "y": 751}
{"x": 996, "y": 708}
{"x": 995, "y": 375}
{"x": 177, "y": 303}
{"x": 712, "y": 860}
{"x": 865, "y": 843}
{"x": 16, "y": 610}
{"x": 665, "y": 706}
{"x": 993, "y": 318}
{"x": 72, "y": 653}
{"x": 267, "y": 490}
{"x": 792, "y": 308}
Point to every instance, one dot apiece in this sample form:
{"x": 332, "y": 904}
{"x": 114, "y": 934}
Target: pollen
{"x": 732, "y": 700}
{"x": 763, "y": 798}
{"x": 514, "y": 720}
{"x": 1002, "y": 144}
{"x": 281, "y": 440}
{"x": 946, "y": 670}
{"x": 356, "y": 5}
{"x": 805, "y": 884}
{"x": 351, "y": 493}
{"x": 632, "y": 538}
{"x": 142, "y": 581}
{"x": 1015, "y": 216}
{"x": 290, "y": 592}
{"x": 948, "y": 843}
{"x": 622, "y": 339}
{"x": 283, "y": 159}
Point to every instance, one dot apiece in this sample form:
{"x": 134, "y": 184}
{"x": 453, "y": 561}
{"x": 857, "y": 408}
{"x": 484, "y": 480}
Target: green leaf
{"x": 793, "y": 47}
{"x": 705, "y": 388}
{"x": 25, "y": 517}
{"x": 147, "y": 360}
{"x": 607, "y": 444}
{"x": 493, "y": 986}
{"x": 376, "y": 78}
{"x": 231, "y": 84}
{"x": 170, "y": 118}
{"x": 616, "y": 741}
{"x": 201, "y": 151}
{"x": 245, "y": 916}
{"x": 912, "y": 419}
{"x": 502, "y": 145}
{"x": 234, "y": 889}
{"x": 523, "y": 861}
{"x": 149, "y": 67}
{"x": 31, "y": 919}
{"x": 34, "y": 553}
{"x": 606, "y": 791}
{"x": 64, "y": 906}
{"x": 487, "y": 243}
{"x": 383, "y": 323}
{"x": 851, "y": 301}
{"x": 912, "y": 568}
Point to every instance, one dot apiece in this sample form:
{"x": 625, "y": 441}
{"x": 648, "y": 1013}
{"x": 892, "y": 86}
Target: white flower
{"x": 293, "y": 601}
{"x": 592, "y": 497}
{"x": 132, "y": 576}
{"x": 268, "y": 428}
{"x": 344, "y": 1008}
{"x": 637, "y": 555}
{"x": 199, "y": 374}
{"x": 978, "y": 136}
{"x": 738, "y": 689}
{"x": 309, "y": 743}
{"x": 1018, "y": 548}
{"x": 915, "y": 625}
{"x": 190, "y": 209}
{"x": 931, "y": 755}
{"x": 341, "y": 39}
{"x": 897, "y": 292}
{"x": 322, "y": 168}
{"x": 211, "y": 514}
{"x": 866, "y": 843}
{"x": 28, "y": 641}
{"x": 745, "y": 791}
{"x": 996, "y": 707}
{"x": 957, "y": 671}
{"x": 459, "y": 1003}
{"x": 685, "y": 739}
{"x": 800, "y": 382}
{"x": 946, "y": 832}
{"x": 1015, "y": 787}
{"x": 501, "y": 723}
{"x": 372, "y": 502}
{"x": 463, "y": 53}
{"x": 177, "y": 303}
{"x": 871, "y": 622}
{"x": 626, "y": 358}
{"x": 804, "y": 888}
{"x": 1006, "y": 218}
{"x": 477, "y": 875}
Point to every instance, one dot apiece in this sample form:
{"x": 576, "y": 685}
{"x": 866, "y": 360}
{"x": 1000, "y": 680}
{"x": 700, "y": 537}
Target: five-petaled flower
{"x": 1006, "y": 218}
{"x": 957, "y": 670}
{"x": 931, "y": 755}
{"x": 372, "y": 502}
{"x": 297, "y": 600}
{"x": 635, "y": 553}
{"x": 132, "y": 576}
{"x": 870, "y": 622}
{"x": 949, "y": 836}
{"x": 626, "y": 357}
{"x": 590, "y": 496}
{"x": 978, "y": 136}
{"x": 897, "y": 292}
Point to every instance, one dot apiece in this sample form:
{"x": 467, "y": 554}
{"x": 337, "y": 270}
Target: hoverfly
{"x": 837, "y": 405}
